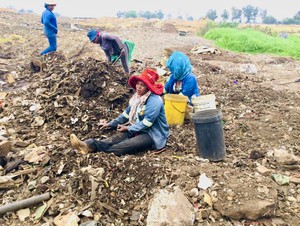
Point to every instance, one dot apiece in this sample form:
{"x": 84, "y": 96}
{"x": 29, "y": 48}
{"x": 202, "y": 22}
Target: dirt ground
{"x": 261, "y": 115}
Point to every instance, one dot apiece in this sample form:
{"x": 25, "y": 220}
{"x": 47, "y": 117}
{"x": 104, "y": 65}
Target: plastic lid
{"x": 206, "y": 116}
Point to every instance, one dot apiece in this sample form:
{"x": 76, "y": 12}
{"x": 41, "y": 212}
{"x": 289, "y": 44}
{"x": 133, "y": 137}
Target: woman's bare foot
{"x": 79, "y": 145}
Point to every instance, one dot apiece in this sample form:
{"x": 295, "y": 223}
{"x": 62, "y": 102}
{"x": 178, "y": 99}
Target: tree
{"x": 225, "y": 15}
{"x": 294, "y": 20}
{"x": 146, "y": 14}
{"x": 211, "y": 14}
{"x": 22, "y": 11}
{"x": 131, "y": 14}
{"x": 297, "y": 16}
{"x": 121, "y": 14}
{"x": 269, "y": 20}
{"x": 236, "y": 14}
{"x": 290, "y": 21}
{"x": 250, "y": 12}
{"x": 190, "y": 18}
{"x": 263, "y": 13}
{"x": 160, "y": 14}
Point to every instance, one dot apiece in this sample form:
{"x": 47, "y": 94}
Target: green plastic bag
{"x": 131, "y": 47}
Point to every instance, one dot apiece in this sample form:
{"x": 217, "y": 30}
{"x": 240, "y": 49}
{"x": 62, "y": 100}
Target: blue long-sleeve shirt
{"x": 189, "y": 86}
{"x": 151, "y": 120}
{"x": 181, "y": 70}
{"x": 50, "y": 23}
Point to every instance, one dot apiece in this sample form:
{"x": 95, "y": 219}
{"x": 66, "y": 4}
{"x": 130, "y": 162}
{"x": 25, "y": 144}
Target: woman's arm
{"x": 121, "y": 119}
{"x": 167, "y": 88}
{"x": 190, "y": 86}
{"x": 107, "y": 55}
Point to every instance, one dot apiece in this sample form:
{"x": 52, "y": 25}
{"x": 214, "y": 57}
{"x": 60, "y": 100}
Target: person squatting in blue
{"x": 147, "y": 127}
{"x": 182, "y": 80}
{"x": 50, "y": 26}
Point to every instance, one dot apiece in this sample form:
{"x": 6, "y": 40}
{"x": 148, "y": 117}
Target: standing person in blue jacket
{"x": 145, "y": 115}
{"x": 50, "y": 26}
{"x": 113, "y": 47}
{"x": 182, "y": 80}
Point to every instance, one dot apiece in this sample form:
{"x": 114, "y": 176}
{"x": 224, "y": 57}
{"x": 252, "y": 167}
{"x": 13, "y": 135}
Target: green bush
{"x": 253, "y": 41}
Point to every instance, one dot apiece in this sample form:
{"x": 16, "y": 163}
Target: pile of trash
{"x": 70, "y": 97}
{"x": 64, "y": 96}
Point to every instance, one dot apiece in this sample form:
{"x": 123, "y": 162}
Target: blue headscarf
{"x": 179, "y": 65}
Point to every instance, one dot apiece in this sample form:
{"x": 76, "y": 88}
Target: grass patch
{"x": 254, "y": 42}
{"x": 12, "y": 38}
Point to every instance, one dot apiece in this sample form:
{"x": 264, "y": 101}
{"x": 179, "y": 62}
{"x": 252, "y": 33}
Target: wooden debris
{"x": 5, "y": 147}
{"x": 110, "y": 208}
{"x": 10, "y": 79}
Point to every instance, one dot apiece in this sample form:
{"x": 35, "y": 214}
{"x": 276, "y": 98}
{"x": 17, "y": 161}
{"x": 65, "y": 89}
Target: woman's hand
{"x": 103, "y": 123}
{"x": 122, "y": 128}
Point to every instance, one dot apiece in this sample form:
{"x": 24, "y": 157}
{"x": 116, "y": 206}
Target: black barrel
{"x": 209, "y": 134}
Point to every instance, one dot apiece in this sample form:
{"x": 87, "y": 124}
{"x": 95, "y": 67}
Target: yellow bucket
{"x": 175, "y": 107}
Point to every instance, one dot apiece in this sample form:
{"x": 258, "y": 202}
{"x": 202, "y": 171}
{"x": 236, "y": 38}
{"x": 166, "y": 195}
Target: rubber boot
{"x": 79, "y": 145}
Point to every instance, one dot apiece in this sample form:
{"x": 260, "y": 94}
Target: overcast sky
{"x": 196, "y": 8}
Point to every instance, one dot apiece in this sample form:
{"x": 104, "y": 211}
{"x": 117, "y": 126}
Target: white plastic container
{"x": 204, "y": 102}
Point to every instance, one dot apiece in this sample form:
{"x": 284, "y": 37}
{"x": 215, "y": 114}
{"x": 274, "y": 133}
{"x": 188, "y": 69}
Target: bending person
{"x": 145, "y": 114}
{"x": 113, "y": 47}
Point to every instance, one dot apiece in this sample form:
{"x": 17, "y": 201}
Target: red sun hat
{"x": 149, "y": 77}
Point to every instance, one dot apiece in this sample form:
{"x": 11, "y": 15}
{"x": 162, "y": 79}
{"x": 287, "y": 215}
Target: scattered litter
{"x": 281, "y": 179}
{"x": 204, "y": 182}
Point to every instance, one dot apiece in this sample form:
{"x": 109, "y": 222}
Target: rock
{"x": 194, "y": 192}
{"x": 256, "y": 154}
{"x": 295, "y": 180}
{"x": 23, "y": 214}
{"x": 263, "y": 170}
{"x": 283, "y": 157}
{"x": 163, "y": 182}
{"x": 67, "y": 220}
{"x": 252, "y": 209}
{"x": 44, "y": 179}
{"x": 170, "y": 208}
{"x": 291, "y": 199}
{"x": 248, "y": 68}
{"x": 20, "y": 143}
{"x": 87, "y": 213}
{"x": 135, "y": 216}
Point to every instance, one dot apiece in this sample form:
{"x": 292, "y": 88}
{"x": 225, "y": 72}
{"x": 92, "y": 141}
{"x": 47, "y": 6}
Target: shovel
{"x": 116, "y": 60}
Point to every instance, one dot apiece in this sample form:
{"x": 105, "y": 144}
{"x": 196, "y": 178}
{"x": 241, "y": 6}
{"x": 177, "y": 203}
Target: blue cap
{"x": 92, "y": 34}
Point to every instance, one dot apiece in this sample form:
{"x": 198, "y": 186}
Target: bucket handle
{"x": 177, "y": 108}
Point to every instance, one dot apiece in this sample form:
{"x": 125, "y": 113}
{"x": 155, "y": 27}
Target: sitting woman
{"x": 182, "y": 80}
{"x": 147, "y": 129}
